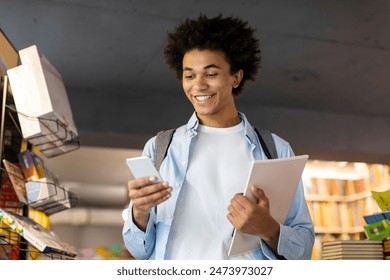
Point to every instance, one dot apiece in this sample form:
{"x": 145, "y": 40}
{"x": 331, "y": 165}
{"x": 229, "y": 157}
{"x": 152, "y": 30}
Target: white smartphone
{"x": 143, "y": 167}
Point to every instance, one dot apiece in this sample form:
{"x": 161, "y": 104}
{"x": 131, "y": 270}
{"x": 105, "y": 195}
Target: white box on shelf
{"x": 39, "y": 190}
{"x": 42, "y": 104}
{"x": 47, "y": 196}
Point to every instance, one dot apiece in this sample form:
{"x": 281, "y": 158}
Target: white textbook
{"x": 278, "y": 178}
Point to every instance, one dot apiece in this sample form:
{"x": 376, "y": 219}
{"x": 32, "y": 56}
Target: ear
{"x": 237, "y": 77}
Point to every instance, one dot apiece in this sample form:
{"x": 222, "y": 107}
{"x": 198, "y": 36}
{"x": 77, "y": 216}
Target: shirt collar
{"x": 193, "y": 124}
{"x": 248, "y": 128}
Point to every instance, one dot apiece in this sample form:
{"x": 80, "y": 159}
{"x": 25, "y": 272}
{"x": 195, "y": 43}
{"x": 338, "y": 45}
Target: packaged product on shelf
{"x": 42, "y": 239}
{"x": 17, "y": 179}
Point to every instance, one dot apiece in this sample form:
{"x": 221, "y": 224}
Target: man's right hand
{"x": 145, "y": 193}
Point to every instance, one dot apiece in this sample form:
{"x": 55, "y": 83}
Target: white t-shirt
{"x": 218, "y": 168}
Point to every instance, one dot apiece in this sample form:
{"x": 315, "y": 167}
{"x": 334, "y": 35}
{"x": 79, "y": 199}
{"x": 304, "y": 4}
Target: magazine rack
{"x": 57, "y": 139}
{"x": 55, "y": 198}
{"x": 13, "y": 245}
{"x": 59, "y": 199}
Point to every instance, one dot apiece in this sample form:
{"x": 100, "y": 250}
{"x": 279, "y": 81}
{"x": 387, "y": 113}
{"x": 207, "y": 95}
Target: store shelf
{"x": 35, "y": 117}
{"x": 339, "y": 195}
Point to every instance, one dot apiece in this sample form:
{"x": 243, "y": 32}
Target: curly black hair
{"x": 230, "y": 35}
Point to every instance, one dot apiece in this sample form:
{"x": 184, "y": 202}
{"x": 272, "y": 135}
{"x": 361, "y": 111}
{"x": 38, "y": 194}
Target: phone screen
{"x": 143, "y": 167}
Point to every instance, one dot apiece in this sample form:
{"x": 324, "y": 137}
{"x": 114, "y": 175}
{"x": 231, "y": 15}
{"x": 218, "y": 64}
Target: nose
{"x": 200, "y": 83}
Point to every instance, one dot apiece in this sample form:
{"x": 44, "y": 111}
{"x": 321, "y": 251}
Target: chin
{"x": 204, "y": 112}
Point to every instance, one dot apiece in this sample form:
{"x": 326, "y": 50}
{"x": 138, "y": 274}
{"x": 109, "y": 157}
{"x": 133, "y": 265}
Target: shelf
{"x": 43, "y": 194}
{"x": 12, "y": 245}
{"x": 42, "y": 104}
{"x": 43, "y": 240}
{"x": 338, "y": 230}
{"x": 52, "y": 136}
{"x": 344, "y": 198}
{"x": 339, "y": 198}
{"x": 34, "y": 109}
{"x": 339, "y": 195}
{"x": 56, "y": 198}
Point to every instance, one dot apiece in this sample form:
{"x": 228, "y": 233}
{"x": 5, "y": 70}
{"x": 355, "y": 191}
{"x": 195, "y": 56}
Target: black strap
{"x": 163, "y": 140}
{"x": 267, "y": 143}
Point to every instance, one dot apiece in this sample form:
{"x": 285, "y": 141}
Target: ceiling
{"x": 324, "y": 82}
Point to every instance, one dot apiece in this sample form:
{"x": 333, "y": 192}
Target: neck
{"x": 228, "y": 120}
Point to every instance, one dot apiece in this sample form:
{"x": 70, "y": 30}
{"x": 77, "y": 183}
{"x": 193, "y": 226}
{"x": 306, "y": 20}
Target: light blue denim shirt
{"x": 296, "y": 236}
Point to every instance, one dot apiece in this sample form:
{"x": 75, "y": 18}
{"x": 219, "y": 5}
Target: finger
{"x": 231, "y": 219}
{"x": 142, "y": 182}
{"x": 137, "y": 188}
{"x": 241, "y": 209}
{"x": 236, "y": 206}
{"x": 240, "y": 201}
{"x": 153, "y": 199}
{"x": 235, "y": 220}
{"x": 260, "y": 195}
{"x": 161, "y": 200}
{"x": 150, "y": 189}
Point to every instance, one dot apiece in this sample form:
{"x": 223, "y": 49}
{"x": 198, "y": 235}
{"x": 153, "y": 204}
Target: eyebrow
{"x": 204, "y": 68}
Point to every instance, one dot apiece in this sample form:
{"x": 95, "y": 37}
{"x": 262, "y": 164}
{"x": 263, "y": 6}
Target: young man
{"x": 205, "y": 169}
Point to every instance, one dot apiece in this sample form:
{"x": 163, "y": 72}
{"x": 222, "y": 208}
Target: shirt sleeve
{"x": 296, "y": 236}
{"x": 139, "y": 243}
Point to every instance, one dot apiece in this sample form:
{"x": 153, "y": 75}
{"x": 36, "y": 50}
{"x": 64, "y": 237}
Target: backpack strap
{"x": 163, "y": 140}
{"x": 267, "y": 143}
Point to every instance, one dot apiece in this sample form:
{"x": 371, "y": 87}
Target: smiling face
{"x": 208, "y": 84}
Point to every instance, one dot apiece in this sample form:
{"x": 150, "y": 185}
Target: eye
{"x": 188, "y": 76}
{"x": 211, "y": 75}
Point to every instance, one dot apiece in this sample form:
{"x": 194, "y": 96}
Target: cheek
{"x": 186, "y": 88}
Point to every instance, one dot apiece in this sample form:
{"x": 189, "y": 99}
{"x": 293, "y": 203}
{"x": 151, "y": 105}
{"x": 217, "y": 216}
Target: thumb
{"x": 256, "y": 192}
{"x": 259, "y": 194}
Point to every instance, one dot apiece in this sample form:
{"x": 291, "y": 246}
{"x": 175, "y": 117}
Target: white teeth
{"x": 202, "y": 97}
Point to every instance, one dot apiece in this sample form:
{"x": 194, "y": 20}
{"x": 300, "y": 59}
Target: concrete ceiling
{"x": 324, "y": 83}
